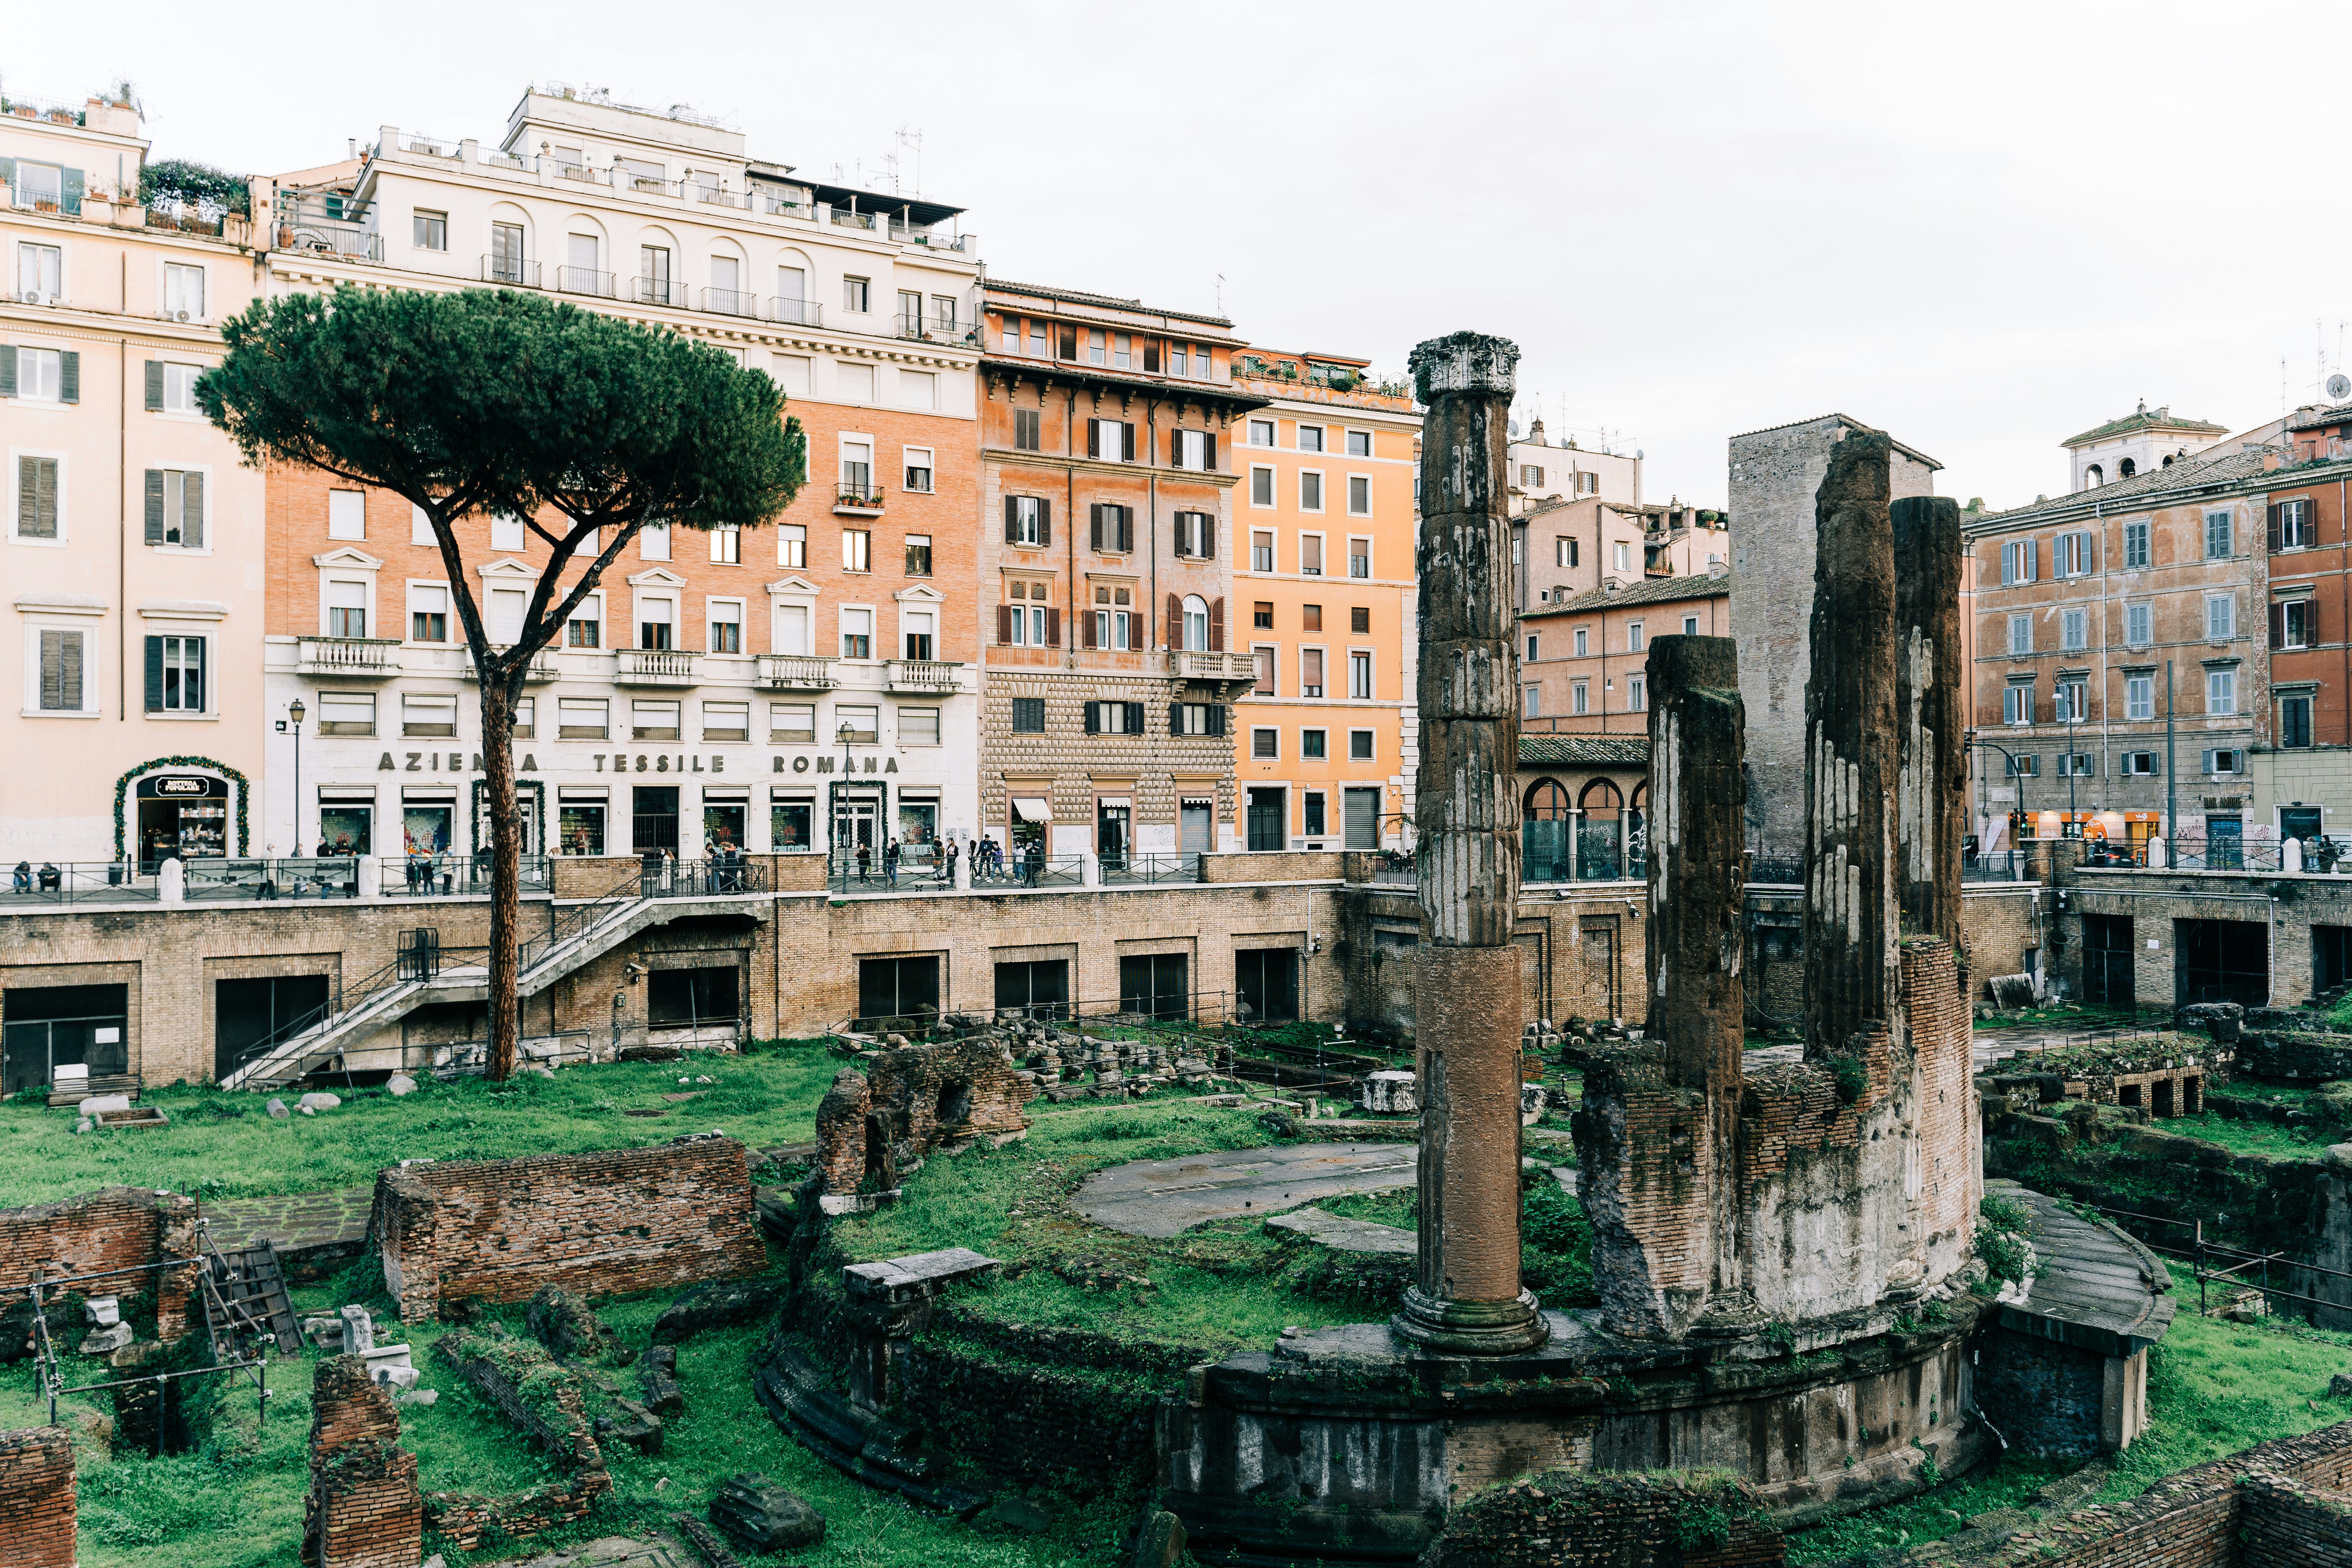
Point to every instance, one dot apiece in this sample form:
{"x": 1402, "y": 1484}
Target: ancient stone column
{"x": 1851, "y": 755}
{"x": 1695, "y": 941}
{"x": 1931, "y": 705}
{"x": 1467, "y": 1297}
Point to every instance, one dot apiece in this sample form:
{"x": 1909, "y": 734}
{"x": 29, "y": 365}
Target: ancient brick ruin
{"x": 877, "y": 1126}
{"x": 611, "y": 1223}
{"x": 114, "y": 1227}
{"x": 363, "y": 1510}
{"x": 543, "y": 1400}
{"x": 37, "y": 1498}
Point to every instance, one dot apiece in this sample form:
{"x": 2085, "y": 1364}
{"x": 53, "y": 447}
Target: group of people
{"x": 51, "y": 878}
{"x": 985, "y": 856}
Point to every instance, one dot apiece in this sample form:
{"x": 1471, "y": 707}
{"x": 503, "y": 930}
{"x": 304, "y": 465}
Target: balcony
{"x": 654, "y": 667}
{"x": 796, "y": 312}
{"x": 858, "y": 501}
{"x": 583, "y": 281}
{"x": 795, "y": 672}
{"x": 543, "y": 666}
{"x": 1186, "y": 664}
{"x": 928, "y": 675}
{"x": 349, "y": 658}
{"x": 730, "y": 302}
{"x": 933, "y": 329}
{"x": 511, "y": 272}
{"x": 332, "y": 239}
{"x": 658, "y": 291}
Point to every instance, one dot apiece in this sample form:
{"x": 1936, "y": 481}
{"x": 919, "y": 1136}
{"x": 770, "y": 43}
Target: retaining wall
{"x": 114, "y": 1227}
{"x": 37, "y": 1498}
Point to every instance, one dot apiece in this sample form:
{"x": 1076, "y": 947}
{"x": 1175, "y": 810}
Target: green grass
{"x": 224, "y": 1145}
{"x": 2067, "y": 1015}
{"x": 2213, "y": 1387}
{"x": 2246, "y": 1137}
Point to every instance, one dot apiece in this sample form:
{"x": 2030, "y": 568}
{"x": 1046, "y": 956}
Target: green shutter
{"x": 72, "y": 191}
{"x": 70, "y": 377}
{"x": 154, "y": 675}
{"x": 7, "y": 370}
{"x": 191, "y": 510}
{"x": 154, "y": 506}
{"x": 36, "y": 497}
{"x": 155, "y": 385}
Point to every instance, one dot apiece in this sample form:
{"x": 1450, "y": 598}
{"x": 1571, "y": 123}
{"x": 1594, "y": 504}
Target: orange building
{"x": 1325, "y": 589}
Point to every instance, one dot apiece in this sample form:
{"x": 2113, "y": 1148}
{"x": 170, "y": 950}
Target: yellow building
{"x": 1324, "y": 520}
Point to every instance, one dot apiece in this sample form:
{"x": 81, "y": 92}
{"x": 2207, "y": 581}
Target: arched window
{"x": 1637, "y": 832}
{"x": 1548, "y": 801}
{"x": 2167, "y": 459}
{"x": 2094, "y": 475}
{"x": 1196, "y": 624}
{"x": 1544, "y": 853}
{"x": 1601, "y": 799}
{"x": 1600, "y": 842}
{"x": 2126, "y": 469}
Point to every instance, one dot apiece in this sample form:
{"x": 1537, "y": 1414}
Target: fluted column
{"x": 1467, "y": 1297}
{"x": 1931, "y": 705}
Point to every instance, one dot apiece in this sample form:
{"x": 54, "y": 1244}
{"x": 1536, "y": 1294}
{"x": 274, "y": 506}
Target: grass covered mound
{"x": 225, "y": 1146}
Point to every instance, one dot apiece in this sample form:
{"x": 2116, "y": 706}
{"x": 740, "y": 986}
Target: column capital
{"x": 1464, "y": 361}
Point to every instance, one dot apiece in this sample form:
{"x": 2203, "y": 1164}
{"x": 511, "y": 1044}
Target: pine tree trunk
{"x": 505, "y": 871}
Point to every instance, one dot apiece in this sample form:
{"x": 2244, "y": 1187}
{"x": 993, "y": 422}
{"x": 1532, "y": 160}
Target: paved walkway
{"x": 302, "y": 1225}
{"x": 1168, "y": 1197}
{"x": 2092, "y": 1287}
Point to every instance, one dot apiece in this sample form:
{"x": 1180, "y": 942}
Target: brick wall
{"x": 363, "y": 1511}
{"x": 114, "y": 1227}
{"x": 2049, "y": 1396}
{"x": 1024, "y": 1424}
{"x": 614, "y": 1222}
{"x": 543, "y": 1399}
{"x": 2291, "y": 1525}
{"x": 1606, "y": 1519}
{"x": 37, "y": 1498}
{"x": 909, "y": 1095}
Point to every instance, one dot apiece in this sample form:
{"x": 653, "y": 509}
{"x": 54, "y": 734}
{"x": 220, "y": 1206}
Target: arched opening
{"x": 2094, "y": 475}
{"x": 1543, "y": 834}
{"x": 1637, "y": 833}
{"x": 2167, "y": 459}
{"x": 1196, "y": 624}
{"x": 1600, "y": 834}
{"x": 2126, "y": 469}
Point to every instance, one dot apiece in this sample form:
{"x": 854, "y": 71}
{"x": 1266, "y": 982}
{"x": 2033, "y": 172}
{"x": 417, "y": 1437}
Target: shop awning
{"x": 1033, "y": 808}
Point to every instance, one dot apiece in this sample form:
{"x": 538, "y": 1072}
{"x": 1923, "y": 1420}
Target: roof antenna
{"x": 1221, "y": 293}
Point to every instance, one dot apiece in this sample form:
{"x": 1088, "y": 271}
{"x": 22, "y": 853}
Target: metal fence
{"x": 702, "y": 878}
{"x": 454, "y": 876}
{"x": 2213, "y": 1261}
{"x": 1137, "y": 870}
{"x": 204, "y": 879}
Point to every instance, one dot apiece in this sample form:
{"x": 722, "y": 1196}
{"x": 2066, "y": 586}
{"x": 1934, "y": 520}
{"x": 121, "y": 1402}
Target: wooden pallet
{"x": 99, "y": 1083}
{"x": 248, "y": 1301}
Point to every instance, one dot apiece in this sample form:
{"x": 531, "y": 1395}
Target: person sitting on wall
{"x": 23, "y": 880}
{"x": 52, "y": 879}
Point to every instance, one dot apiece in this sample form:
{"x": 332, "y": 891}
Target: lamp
{"x": 295, "y": 712}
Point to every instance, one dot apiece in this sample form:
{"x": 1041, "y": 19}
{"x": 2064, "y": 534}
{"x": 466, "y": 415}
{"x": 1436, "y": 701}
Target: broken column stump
{"x": 363, "y": 1510}
{"x": 1931, "y": 705}
{"x": 37, "y": 1498}
{"x": 763, "y": 1516}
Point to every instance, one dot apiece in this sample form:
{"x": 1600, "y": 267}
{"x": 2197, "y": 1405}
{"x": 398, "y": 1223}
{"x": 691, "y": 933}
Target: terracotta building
{"x": 1106, "y": 561}
{"x": 1572, "y": 547}
{"x": 2304, "y": 780}
{"x": 1326, "y": 603}
{"x": 1582, "y": 664}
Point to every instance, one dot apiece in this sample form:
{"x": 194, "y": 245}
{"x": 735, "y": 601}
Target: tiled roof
{"x": 1107, "y": 301}
{"x": 1648, "y": 591}
{"x": 2141, "y": 492}
{"x": 1584, "y": 750}
{"x": 2144, "y": 418}
{"x": 2319, "y": 418}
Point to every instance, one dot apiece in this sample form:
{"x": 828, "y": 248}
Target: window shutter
{"x": 1094, "y": 437}
{"x": 2033, "y": 548}
{"x": 2008, "y": 565}
{"x": 1217, "y": 624}
{"x": 2208, "y": 761}
{"x": 1175, "y": 448}
{"x": 155, "y": 674}
{"x": 1209, "y": 452}
{"x": 68, "y": 377}
{"x": 1086, "y": 629}
{"x": 1207, "y": 523}
{"x": 2278, "y": 626}
{"x": 1094, "y": 718}
{"x": 1053, "y": 626}
{"x": 7, "y": 370}
{"x": 1151, "y": 359}
{"x": 191, "y": 510}
{"x": 154, "y": 506}
{"x": 2272, "y": 513}
{"x": 1127, "y": 525}
{"x": 70, "y": 669}
{"x": 155, "y": 385}
{"x": 1175, "y": 717}
{"x": 1126, "y": 443}
{"x": 1012, "y": 524}
{"x": 1003, "y": 626}
{"x": 53, "y": 669}
{"x": 1044, "y": 522}
{"x": 1216, "y": 719}
{"x": 1093, "y": 524}
{"x": 1135, "y": 718}
{"x": 44, "y": 499}
{"x": 1175, "y": 620}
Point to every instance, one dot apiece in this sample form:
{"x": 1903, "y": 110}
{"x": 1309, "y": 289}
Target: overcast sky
{"x": 1985, "y": 228}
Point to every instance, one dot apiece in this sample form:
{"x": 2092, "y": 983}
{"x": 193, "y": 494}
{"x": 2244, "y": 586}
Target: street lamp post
{"x": 295, "y": 713}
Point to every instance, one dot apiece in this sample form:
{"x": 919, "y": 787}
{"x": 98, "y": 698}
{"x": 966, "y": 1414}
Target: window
{"x": 1261, "y": 487}
{"x": 1111, "y": 528}
{"x": 1359, "y": 443}
{"x": 1359, "y": 675}
{"x": 918, "y": 555}
{"x": 2225, "y": 762}
{"x": 2220, "y": 691}
{"x": 857, "y": 549}
{"x": 792, "y": 629}
{"x": 581, "y": 719}
{"x": 1265, "y": 745}
{"x": 1065, "y": 343}
{"x": 1114, "y": 718}
{"x": 2221, "y": 617}
{"x": 2216, "y": 536}
{"x": 177, "y": 392}
{"x": 1196, "y": 449}
{"x": 2138, "y": 621}
{"x": 1028, "y": 715}
{"x": 1115, "y": 629}
{"x": 429, "y": 614}
{"x": 41, "y": 270}
{"x": 1580, "y": 697}
{"x": 864, "y": 724}
{"x": 1311, "y": 804}
{"x": 918, "y": 465}
{"x": 2017, "y": 703}
{"x": 1264, "y": 656}
{"x": 430, "y": 231}
{"x": 2025, "y": 767}
{"x": 918, "y": 726}
{"x": 1196, "y": 719}
{"x": 1690, "y": 625}
{"x": 2135, "y": 545}
{"x": 1195, "y": 611}
{"x": 944, "y": 312}
{"x": 1310, "y": 617}
{"x": 1196, "y": 534}
{"x": 347, "y": 713}
{"x": 346, "y": 514}
{"x": 918, "y": 389}
{"x": 789, "y": 721}
{"x": 1027, "y": 433}
{"x": 61, "y": 687}
{"x": 176, "y": 675}
{"x": 2073, "y": 554}
{"x": 1310, "y": 672}
{"x": 856, "y": 294}
{"x": 1530, "y": 702}
{"x": 1637, "y": 694}
{"x": 346, "y": 609}
{"x": 858, "y": 634}
{"x": 1634, "y": 640}
{"x": 2077, "y": 764}
{"x": 1311, "y": 491}
{"x": 1360, "y": 746}
{"x": 506, "y": 253}
{"x": 792, "y": 545}
{"x": 2138, "y": 765}
{"x": 653, "y": 541}
{"x": 1310, "y": 555}
{"x": 1026, "y": 521}
{"x": 654, "y": 719}
{"x": 2295, "y": 530}
{"x": 2139, "y": 697}
{"x": 655, "y": 623}
{"x": 854, "y": 383}
{"x": 526, "y": 715}
{"x": 1097, "y": 348}
{"x": 184, "y": 293}
{"x": 726, "y": 625}
{"x": 508, "y": 534}
{"x": 916, "y": 632}
{"x": 2021, "y": 633}
{"x": 2295, "y": 721}
{"x": 2020, "y": 561}
{"x": 910, "y": 310}
{"x": 1563, "y": 551}
{"x": 1583, "y": 641}
{"x": 2071, "y": 702}
{"x": 1310, "y": 437}
{"x": 1359, "y": 495}
{"x": 424, "y": 714}
{"x": 2297, "y": 621}
{"x": 726, "y": 721}
{"x": 1359, "y": 620}
{"x": 1531, "y": 476}
{"x": 586, "y": 629}
{"x": 2073, "y": 630}
{"x": 1261, "y": 432}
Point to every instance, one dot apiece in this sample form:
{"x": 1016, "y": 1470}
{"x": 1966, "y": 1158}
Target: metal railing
{"x": 731, "y": 302}
{"x": 845, "y": 218}
{"x": 2204, "y": 1256}
{"x": 657, "y": 292}
{"x": 2224, "y": 856}
{"x": 432, "y": 147}
{"x": 583, "y": 281}
{"x": 921, "y": 868}
{"x": 206, "y": 879}
{"x": 666, "y": 878}
{"x": 325, "y": 239}
{"x": 847, "y": 494}
{"x": 471, "y": 1058}
{"x": 507, "y": 269}
{"x": 569, "y": 923}
{"x": 796, "y": 312}
{"x": 454, "y": 876}
{"x": 1136, "y": 870}
{"x": 1999, "y": 865}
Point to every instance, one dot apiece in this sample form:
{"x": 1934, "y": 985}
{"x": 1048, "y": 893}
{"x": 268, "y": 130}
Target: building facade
{"x": 1583, "y": 665}
{"x": 1568, "y": 548}
{"x": 1106, "y": 530}
{"x": 2140, "y": 442}
{"x": 2303, "y": 781}
{"x": 1544, "y": 472}
{"x": 812, "y": 685}
{"x": 2099, "y": 614}
{"x": 134, "y": 537}
{"x": 1325, "y": 737}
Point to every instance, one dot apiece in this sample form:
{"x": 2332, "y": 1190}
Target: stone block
{"x": 107, "y": 1341}
{"x": 763, "y": 1516}
{"x": 399, "y": 1084}
{"x": 98, "y": 1104}
{"x": 278, "y": 1111}
{"x": 633, "y": 1424}
{"x": 718, "y": 1304}
{"x": 359, "y": 1331}
{"x": 1389, "y": 1093}
{"x": 1159, "y": 1540}
{"x": 901, "y": 1280}
{"x": 103, "y": 1311}
{"x": 319, "y": 1101}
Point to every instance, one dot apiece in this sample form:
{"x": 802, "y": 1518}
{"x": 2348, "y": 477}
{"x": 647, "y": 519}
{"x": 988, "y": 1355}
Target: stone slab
{"x": 917, "y": 1274}
{"x": 2092, "y": 1287}
{"x": 1168, "y": 1197}
{"x": 1343, "y": 1234}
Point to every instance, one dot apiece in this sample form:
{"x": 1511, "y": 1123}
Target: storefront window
{"x": 788, "y": 822}
{"x": 425, "y": 829}
{"x": 582, "y": 826}
{"x": 722, "y": 827}
{"x": 918, "y": 821}
{"x": 346, "y": 829}
{"x": 182, "y": 815}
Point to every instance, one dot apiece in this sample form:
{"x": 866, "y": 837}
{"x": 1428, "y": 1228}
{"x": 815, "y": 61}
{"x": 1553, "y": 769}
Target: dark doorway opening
{"x": 897, "y": 989}
{"x": 1266, "y": 980}
{"x": 1269, "y": 815}
{"x": 48, "y": 1026}
{"x": 1036, "y": 989}
{"x": 2331, "y": 959}
{"x": 655, "y": 819}
{"x": 1156, "y": 986}
{"x": 248, "y": 1015}
{"x": 2107, "y": 971}
{"x": 954, "y": 1108}
{"x": 679, "y": 997}
{"x": 2221, "y": 961}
